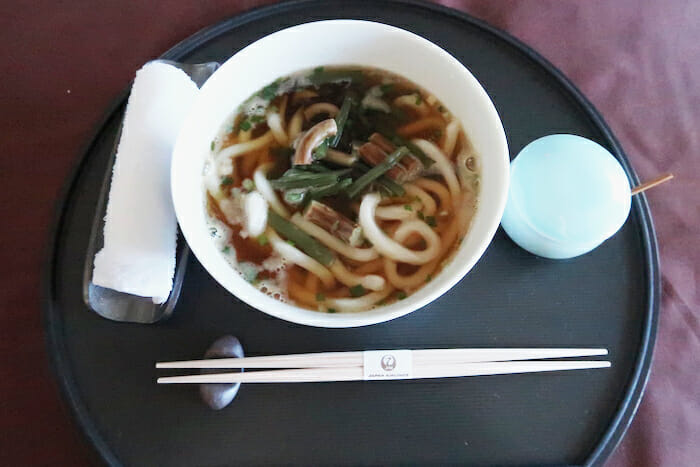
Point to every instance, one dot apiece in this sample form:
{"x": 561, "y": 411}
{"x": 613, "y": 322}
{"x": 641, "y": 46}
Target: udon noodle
{"x": 340, "y": 189}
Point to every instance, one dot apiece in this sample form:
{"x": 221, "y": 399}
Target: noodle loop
{"x": 389, "y": 247}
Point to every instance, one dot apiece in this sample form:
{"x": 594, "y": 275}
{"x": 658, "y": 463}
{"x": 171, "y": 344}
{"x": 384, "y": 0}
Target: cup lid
{"x": 570, "y": 189}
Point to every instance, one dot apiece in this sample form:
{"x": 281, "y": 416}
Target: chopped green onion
{"x": 401, "y": 295}
{"x": 385, "y": 88}
{"x": 357, "y": 290}
{"x": 330, "y": 190}
{"x": 320, "y": 151}
{"x": 262, "y": 240}
{"x": 305, "y": 242}
{"x": 249, "y": 184}
{"x": 226, "y": 181}
{"x": 415, "y": 150}
{"x": 212, "y": 145}
{"x": 300, "y": 178}
{"x": 248, "y": 271}
{"x": 421, "y": 216}
{"x": 376, "y": 172}
{"x": 320, "y": 297}
{"x": 428, "y": 278}
{"x": 332, "y": 310}
{"x": 408, "y": 207}
{"x": 317, "y": 168}
{"x": 393, "y": 188}
{"x": 341, "y": 120}
{"x": 295, "y": 196}
{"x": 250, "y": 122}
{"x": 322, "y": 76}
{"x": 419, "y": 99}
{"x": 226, "y": 249}
{"x": 270, "y": 91}
{"x": 430, "y": 220}
{"x": 383, "y": 191}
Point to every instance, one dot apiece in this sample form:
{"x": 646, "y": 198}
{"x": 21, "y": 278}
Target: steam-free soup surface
{"x": 340, "y": 189}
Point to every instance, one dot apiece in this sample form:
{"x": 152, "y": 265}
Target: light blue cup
{"x": 567, "y": 195}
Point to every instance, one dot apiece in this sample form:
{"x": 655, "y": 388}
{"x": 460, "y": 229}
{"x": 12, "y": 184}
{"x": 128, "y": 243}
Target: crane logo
{"x": 388, "y": 362}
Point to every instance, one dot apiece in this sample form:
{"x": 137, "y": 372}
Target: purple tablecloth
{"x": 637, "y": 61}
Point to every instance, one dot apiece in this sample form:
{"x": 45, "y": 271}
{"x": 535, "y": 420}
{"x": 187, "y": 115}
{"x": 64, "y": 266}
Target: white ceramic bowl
{"x": 340, "y": 42}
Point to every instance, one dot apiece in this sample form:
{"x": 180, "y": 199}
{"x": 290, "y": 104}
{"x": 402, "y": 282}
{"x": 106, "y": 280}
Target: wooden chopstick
{"x": 355, "y": 359}
{"x": 330, "y": 374}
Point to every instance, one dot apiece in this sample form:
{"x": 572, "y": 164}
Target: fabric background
{"x": 64, "y": 62}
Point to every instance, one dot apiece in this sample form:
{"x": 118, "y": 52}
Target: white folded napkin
{"x": 140, "y": 227}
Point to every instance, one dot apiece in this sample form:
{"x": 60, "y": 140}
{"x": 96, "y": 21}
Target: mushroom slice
{"x": 312, "y": 139}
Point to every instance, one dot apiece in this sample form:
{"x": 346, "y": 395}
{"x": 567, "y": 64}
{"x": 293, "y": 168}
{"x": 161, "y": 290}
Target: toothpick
{"x": 651, "y": 183}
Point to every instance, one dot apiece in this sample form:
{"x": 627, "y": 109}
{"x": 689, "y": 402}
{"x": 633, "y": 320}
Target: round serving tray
{"x": 608, "y": 298}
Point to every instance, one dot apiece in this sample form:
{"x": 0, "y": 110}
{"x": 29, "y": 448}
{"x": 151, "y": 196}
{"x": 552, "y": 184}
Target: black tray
{"x": 608, "y": 298}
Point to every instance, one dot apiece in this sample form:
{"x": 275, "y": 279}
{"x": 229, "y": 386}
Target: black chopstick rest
{"x": 219, "y": 395}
